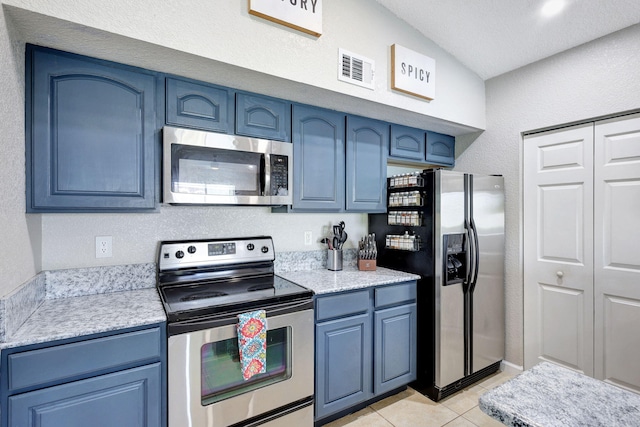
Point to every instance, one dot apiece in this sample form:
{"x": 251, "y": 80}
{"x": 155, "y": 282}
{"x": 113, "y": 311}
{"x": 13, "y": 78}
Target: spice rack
{"x": 405, "y": 198}
{"x": 404, "y": 242}
{"x": 405, "y": 205}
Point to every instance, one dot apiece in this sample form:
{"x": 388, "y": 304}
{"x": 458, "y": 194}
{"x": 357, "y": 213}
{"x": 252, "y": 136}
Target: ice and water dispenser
{"x": 455, "y": 259}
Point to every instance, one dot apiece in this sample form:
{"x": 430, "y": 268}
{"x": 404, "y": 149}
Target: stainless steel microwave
{"x": 211, "y": 168}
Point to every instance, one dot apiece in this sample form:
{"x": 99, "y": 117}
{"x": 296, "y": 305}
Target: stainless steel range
{"x": 205, "y": 285}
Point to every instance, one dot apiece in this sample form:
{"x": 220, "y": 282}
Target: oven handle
{"x": 191, "y": 325}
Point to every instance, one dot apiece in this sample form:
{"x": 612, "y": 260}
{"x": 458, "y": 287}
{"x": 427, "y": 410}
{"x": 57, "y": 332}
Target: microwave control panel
{"x": 279, "y": 175}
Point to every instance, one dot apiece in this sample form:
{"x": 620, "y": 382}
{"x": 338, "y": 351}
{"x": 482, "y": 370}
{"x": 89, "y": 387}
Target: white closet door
{"x": 558, "y": 248}
{"x": 617, "y": 251}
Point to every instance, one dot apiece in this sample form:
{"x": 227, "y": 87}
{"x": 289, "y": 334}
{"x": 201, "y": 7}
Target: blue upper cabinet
{"x": 263, "y": 117}
{"x": 366, "y": 167}
{"x": 407, "y": 143}
{"x": 440, "y": 149}
{"x": 318, "y": 159}
{"x": 90, "y": 134}
{"x": 419, "y": 146}
{"x": 199, "y": 105}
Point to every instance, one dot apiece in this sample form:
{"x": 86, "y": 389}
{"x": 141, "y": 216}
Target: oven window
{"x": 212, "y": 171}
{"x": 221, "y": 369}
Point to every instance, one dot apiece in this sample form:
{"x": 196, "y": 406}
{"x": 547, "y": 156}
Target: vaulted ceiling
{"x": 492, "y": 37}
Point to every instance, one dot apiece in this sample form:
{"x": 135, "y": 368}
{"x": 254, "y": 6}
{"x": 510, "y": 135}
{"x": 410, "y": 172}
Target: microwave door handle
{"x": 263, "y": 173}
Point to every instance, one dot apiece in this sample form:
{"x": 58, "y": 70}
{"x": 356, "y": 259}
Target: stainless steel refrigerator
{"x": 448, "y": 227}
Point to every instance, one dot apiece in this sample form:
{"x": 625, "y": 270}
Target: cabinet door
{"x": 407, "y": 143}
{"x": 90, "y": 134}
{"x": 395, "y": 347}
{"x": 199, "y": 105}
{"x": 366, "y": 165}
{"x": 440, "y": 149}
{"x": 129, "y": 398}
{"x": 263, "y": 117}
{"x": 318, "y": 159}
{"x": 343, "y": 364}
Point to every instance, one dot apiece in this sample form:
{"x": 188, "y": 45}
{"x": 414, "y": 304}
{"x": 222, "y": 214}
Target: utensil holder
{"x": 334, "y": 259}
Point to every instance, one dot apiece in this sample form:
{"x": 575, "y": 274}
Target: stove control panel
{"x": 202, "y": 253}
{"x": 228, "y": 248}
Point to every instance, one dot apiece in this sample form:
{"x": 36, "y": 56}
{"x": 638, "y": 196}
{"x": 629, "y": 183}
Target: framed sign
{"x": 302, "y": 15}
{"x": 413, "y": 73}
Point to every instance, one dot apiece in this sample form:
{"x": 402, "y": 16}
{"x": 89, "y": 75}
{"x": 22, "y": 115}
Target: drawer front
{"x": 55, "y": 364}
{"x": 342, "y": 305}
{"x": 395, "y": 294}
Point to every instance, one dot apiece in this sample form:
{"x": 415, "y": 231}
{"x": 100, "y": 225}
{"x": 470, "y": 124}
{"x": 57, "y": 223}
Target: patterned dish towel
{"x": 252, "y": 343}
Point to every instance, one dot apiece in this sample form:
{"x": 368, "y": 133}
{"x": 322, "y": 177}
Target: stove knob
{"x": 265, "y": 249}
{"x": 179, "y": 254}
{"x": 191, "y": 249}
{"x": 250, "y": 247}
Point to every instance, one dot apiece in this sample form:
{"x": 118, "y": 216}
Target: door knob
{"x": 560, "y": 274}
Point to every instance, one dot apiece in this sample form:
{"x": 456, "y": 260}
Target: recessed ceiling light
{"x": 552, "y": 7}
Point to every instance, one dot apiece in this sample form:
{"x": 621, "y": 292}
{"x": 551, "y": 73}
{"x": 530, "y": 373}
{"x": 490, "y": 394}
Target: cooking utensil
{"x": 339, "y": 235}
{"x": 343, "y": 234}
{"x": 328, "y": 242}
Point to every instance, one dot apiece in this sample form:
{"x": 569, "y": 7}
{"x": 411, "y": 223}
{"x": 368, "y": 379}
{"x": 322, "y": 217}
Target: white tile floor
{"x": 411, "y": 409}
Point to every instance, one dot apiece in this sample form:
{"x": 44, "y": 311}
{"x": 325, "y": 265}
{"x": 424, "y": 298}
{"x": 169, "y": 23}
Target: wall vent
{"x": 356, "y": 69}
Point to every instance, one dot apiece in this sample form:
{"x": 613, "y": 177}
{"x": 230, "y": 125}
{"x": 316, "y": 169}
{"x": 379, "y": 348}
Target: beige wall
{"x": 596, "y": 79}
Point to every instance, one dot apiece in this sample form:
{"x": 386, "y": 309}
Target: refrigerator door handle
{"x": 476, "y": 256}
{"x": 470, "y": 257}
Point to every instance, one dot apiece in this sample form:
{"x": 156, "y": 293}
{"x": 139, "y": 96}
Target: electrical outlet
{"x": 104, "y": 247}
{"x": 308, "y": 238}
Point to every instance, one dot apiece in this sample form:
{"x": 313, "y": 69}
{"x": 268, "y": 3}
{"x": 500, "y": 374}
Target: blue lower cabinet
{"x": 343, "y": 364}
{"x": 130, "y": 398}
{"x": 395, "y": 348}
{"x": 365, "y": 346}
{"x": 109, "y": 379}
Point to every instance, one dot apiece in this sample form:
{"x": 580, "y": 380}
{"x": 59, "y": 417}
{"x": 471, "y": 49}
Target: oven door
{"x": 206, "y": 387}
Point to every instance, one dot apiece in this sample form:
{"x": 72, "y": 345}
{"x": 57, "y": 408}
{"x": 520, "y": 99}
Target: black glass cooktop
{"x": 189, "y": 300}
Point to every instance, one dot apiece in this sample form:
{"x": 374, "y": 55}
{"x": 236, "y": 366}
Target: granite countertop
{"x": 323, "y": 281}
{"x": 62, "y": 318}
{"x": 87, "y": 301}
{"x": 549, "y": 395}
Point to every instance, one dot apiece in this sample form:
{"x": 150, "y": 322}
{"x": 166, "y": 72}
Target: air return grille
{"x": 355, "y": 69}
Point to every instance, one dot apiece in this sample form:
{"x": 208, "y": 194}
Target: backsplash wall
{"x": 68, "y": 240}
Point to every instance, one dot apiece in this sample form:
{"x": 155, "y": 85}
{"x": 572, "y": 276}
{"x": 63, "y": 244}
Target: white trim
{"x": 510, "y": 368}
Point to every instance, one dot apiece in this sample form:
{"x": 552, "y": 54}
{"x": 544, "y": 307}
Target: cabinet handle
{"x": 560, "y": 274}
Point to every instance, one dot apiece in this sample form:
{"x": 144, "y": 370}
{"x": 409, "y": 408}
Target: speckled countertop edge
{"x": 323, "y": 281}
{"x": 549, "y": 395}
{"x": 63, "y": 318}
